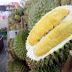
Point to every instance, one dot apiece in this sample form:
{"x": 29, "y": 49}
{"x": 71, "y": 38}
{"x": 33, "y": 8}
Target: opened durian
{"x": 50, "y": 40}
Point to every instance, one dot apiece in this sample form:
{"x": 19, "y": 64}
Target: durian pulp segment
{"x": 31, "y": 54}
{"x": 46, "y": 24}
{"x": 55, "y": 37}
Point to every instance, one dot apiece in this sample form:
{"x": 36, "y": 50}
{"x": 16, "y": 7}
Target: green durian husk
{"x": 38, "y": 10}
{"x": 53, "y": 62}
{"x": 18, "y": 27}
{"x": 19, "y": 44}
{"x": 17, "y": 17}
{"x": 12, "y": 27}
{"x": 17, "y": 66}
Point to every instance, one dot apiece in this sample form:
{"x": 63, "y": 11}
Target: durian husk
{"x": 65, "y": 2}
{"x": 18, "y": 27}
{"x": 17, "y": 17}
{"x": 12, "y": 27}
{"x": 57, "y": 58}
{"x": 19, "y": 44}
{"x": 17, "y": 66}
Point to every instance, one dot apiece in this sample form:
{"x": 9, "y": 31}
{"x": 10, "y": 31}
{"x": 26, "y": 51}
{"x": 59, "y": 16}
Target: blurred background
{"x": 6, "y": 7}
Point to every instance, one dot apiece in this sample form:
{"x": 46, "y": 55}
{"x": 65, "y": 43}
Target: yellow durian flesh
{"x": 55, "y": 37}
{"x": 47, "y": 23}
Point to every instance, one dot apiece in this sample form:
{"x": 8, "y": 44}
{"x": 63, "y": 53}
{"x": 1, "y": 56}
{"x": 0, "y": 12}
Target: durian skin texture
{"x": 53, "y": 62}
{"x": 55, "y": 37}
{"x": 16, "y": 66}
{"x": 19, "y": 44}
{"x": 47, "y": 23}
{"x": 17, "y": 17}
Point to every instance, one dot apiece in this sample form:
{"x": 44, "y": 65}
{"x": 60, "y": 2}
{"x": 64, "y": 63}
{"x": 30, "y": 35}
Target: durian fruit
{"x": 16, "y": 66}
{"x": 50, "y": 40}
{"x": 20, "y": 11}
{"x": 19, "y": 44}
{"x": 11, "y": 20}
{"x": 17, "y": 17}
{"x": 12, "y": 27}
{"x": 18, "y": 27}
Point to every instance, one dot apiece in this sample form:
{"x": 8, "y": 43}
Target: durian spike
{"x": 68, "y": 65}
{"x": 57, "y": 2}
{"x": 65, "y": 2}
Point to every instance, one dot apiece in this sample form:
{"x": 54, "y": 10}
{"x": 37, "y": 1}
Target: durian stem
{"x": 68, "y": 65}
{"x": 9, "y": 52}
{"x": 57, "y": 2}
{"x": 65, "y": 2}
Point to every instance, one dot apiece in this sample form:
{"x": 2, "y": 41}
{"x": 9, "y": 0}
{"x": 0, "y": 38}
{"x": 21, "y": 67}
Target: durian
{"x": 19, "y": 44}
{"x": 12, "y": 27}
{"x": 50, "y": 40}
{"x": 16, "y": 66}
{"x": 17, "y": 17}
{"x": 18, "y": 27}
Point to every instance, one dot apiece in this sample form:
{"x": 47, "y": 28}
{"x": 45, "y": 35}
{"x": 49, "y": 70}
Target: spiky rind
{"x": 53, "y": 68}
{"x": 16, "y": 66}
{"x": 19, "y": 44}
{"x": 57, "y": 58}
{"x": 38, "y": 10}
{"x": 17, "y": 17}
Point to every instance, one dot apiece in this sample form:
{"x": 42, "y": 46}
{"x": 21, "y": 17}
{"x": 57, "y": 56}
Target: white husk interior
{"x": 30, "y": 48}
